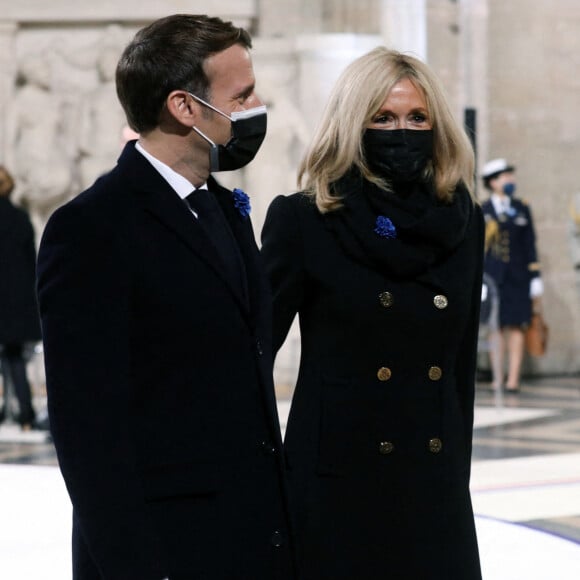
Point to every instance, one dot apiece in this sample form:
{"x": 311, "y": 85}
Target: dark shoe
{"x": 515, "y": 389}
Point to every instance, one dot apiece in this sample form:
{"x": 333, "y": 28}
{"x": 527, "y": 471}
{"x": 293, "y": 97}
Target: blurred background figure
{"x": 574, "y": 227}
{"x": 19, "y": 321}
{"x": 511, "y": 261}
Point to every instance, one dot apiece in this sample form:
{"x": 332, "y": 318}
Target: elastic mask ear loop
{"x": 204, "y": 136}
{"x": 200, "y": 133}
{"x": 209, "y": 106}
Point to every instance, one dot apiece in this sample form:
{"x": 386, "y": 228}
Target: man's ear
{"x": 183, "y": 108}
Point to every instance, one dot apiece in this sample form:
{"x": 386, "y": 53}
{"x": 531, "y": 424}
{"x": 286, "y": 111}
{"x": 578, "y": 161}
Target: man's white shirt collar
{"x": 182, "y": 186}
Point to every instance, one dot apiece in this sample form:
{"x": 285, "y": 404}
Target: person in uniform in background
{"x": 512, "y": 263}
{"x": 381, "y": 257}
{"x": 19, "y": 320}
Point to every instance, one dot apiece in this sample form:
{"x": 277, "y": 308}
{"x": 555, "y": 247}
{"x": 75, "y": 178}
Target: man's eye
{"x": 243, "y": 98}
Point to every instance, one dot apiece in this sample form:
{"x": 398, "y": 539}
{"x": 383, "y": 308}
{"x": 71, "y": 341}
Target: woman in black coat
{"x": 19, "y": 320}
{"x": 381, "y": 257}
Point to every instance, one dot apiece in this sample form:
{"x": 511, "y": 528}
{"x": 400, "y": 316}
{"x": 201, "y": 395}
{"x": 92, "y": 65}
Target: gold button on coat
{"x": 386, "y": 299}
{"x": 440, "y": 301}
{"x": 385, "y": 447}
{"x": 435, "y": 445}
{"x": 435, "y": 373}
{"x": 384, "y": 374}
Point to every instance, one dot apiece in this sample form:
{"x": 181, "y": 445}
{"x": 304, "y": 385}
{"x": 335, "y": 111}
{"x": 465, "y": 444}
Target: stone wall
{"x": 533, "y": 88}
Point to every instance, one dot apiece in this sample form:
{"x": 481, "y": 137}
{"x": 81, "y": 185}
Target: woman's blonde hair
{"x": 357, "y": 95}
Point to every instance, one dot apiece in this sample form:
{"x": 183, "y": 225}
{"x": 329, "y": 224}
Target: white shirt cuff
{"x": 536, "y": 287}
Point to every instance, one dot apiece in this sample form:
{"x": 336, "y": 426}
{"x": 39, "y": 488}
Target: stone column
{"x": 473, "y": 51}
{"x": 404, "y": 26}
{"x": 353, "y": 16}
{"x": 287, "y": 18}
{"x": 322, "y": 57}
{"x": 7, "y": 75}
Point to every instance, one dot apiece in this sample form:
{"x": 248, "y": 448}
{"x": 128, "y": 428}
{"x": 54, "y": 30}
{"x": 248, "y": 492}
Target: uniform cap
{"x": 495, "y": 167}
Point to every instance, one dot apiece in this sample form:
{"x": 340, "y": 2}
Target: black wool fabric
{"x": 427, "y": 229}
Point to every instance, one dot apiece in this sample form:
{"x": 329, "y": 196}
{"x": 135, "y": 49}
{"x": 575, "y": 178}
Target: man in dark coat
{"x": 19, "y": 322}
{"x": 157, "y": 331}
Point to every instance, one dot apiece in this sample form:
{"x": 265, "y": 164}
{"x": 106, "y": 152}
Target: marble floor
{"x": 525, "y": 488}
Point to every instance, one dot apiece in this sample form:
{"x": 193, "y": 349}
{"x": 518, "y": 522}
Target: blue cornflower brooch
{"x": 385, "y": 228}
{"x": 242, "y": 202}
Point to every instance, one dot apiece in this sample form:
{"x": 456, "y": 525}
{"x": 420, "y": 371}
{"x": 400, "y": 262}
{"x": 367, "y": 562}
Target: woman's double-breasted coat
{"x": 378, "y": 441}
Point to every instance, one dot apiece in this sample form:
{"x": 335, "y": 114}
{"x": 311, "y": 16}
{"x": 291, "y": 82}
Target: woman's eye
{"x": 381, "y": 119}
{"x": 418, "y": 119}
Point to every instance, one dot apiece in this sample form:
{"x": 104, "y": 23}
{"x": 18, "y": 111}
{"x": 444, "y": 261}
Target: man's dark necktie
{"x": 215, "y": 225}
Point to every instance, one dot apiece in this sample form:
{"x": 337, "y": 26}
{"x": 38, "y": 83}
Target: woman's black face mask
{"x": 398, "y": 155}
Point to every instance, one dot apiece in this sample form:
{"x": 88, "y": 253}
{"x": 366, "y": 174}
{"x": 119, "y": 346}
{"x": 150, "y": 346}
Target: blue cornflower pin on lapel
{"x": 242, "y": 202}
{"x": 385, "y": 228}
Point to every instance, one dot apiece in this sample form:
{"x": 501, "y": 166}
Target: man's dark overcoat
{"x": 378, "y": 441}
{"x": 159, "y": 386}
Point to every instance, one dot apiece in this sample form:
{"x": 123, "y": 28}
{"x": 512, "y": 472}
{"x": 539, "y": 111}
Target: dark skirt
{"x": 515, "y": 305}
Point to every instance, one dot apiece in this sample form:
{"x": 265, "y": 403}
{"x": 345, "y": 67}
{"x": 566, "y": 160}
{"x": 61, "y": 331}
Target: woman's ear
{"x": 182, "y": 107}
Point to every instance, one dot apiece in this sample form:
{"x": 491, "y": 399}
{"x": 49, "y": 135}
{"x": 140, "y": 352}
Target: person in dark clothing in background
{"x": 19, "y": 321}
